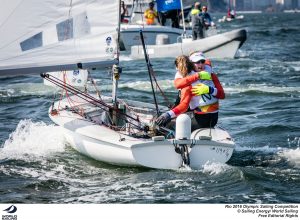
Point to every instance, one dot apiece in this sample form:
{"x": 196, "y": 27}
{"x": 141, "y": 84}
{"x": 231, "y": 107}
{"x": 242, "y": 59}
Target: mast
{"x": 182, "y": 15}
{"x": 234, "y": 6}
{"x": 116, "y": 69}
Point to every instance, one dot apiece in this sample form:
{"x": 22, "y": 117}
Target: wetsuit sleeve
{"x": 185, "y": 99}
{"x": 220, "y": 91}
{"x": 185, "y": 81}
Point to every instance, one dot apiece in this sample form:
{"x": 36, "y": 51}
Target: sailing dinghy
{"x": 79, "y": 35}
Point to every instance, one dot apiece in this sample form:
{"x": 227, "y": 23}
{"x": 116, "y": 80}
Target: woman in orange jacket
{"x": 202, "y": 98}
{"x": 184, "y": 68}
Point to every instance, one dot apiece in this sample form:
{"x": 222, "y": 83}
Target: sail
{"x": 77, "y": 78}
{"x": 53, "y": 35}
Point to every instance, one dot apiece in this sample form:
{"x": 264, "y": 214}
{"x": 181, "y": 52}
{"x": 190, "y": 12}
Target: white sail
{"x": 43, "y": 35}
{"x": 76, "y": 78}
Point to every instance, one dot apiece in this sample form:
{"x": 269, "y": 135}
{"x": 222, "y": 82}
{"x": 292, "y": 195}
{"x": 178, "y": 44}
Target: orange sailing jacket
{"x": 180, "y": 83}
{"x": 186, "y": 95}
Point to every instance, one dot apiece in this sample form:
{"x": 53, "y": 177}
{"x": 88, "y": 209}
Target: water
{"x": 261, "y": 111}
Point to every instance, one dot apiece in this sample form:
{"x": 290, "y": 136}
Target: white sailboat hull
{"x": 99, "y": 149}
{"x": 104, "y": 144}
{"x": 159, "y": 155}
{"x": 218, "y": 46}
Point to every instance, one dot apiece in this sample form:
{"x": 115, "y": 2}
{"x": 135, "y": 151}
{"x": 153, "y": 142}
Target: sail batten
{"x": 48, "y": 35}
{"x": 21, "y": 70}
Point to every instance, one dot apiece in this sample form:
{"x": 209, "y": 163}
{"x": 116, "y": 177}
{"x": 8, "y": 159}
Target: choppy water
{"x": 261, "y": 111}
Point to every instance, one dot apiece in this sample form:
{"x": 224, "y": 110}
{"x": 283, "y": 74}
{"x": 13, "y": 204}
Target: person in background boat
{"x": 197, "y": 22}
{"x": 206, "y": 18}
{"x": 174, "y": 15}
{"x": 124, "y": 12}
{"x": 202, "y": 98}
{"x": 150, "y": 14}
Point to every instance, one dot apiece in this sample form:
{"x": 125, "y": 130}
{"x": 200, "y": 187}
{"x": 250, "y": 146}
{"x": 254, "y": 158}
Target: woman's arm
{"x": 220, "y": 91}
{"x": 183, "y": 106}
{"x": 185, "y": 81}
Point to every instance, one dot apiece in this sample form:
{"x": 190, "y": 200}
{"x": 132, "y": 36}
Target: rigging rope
{"x": 161, "y": 91}
{"x": 98, "y": 103}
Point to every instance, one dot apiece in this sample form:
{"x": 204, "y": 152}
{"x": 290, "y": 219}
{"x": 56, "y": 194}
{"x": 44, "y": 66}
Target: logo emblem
{"x": 75, "y": 72}
{"x": 108, "y": 41}
{"x": 11, "y": 209}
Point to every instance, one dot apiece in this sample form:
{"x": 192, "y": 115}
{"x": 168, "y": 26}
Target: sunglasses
{"x": 200, "y": 62}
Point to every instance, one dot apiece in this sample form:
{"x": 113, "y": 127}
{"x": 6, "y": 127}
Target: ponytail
{"x": 184, "y": 65}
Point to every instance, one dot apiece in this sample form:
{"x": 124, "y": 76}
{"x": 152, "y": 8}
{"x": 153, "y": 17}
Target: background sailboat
{"x": 231, "y": 13}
